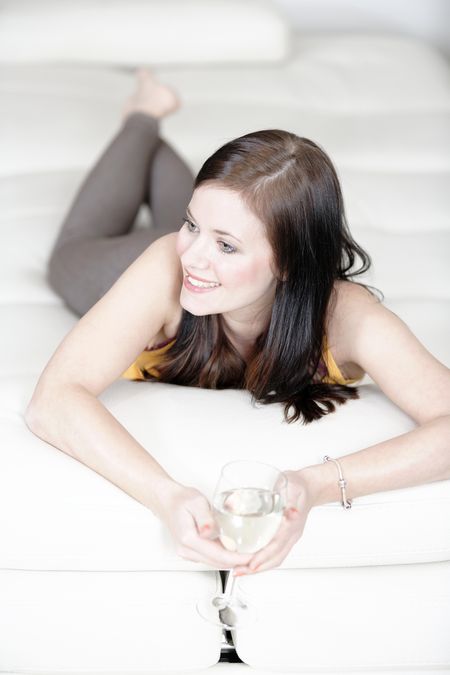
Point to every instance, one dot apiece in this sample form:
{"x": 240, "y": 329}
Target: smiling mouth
{"x": 201, "y": 284}
{"x": 198, "y": 286}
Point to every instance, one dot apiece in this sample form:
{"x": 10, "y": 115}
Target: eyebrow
{"x": 227, "y": 234}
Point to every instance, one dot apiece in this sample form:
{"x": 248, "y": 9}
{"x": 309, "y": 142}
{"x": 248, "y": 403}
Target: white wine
{"x": 248, "y": 506}
{"x": 248, "y": 517}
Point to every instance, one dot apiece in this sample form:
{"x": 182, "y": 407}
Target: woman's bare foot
{"x": 151, "y": 97}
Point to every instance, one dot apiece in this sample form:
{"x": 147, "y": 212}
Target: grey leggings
{"x": 95, "y": 244}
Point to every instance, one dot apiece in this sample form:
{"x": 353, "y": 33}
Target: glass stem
{"x": 229, "y": 587}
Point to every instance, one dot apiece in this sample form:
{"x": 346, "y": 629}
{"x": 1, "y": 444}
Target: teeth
{"x": 201, "y": 284}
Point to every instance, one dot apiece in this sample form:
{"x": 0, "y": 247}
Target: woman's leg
{"x": 95, "y": 245}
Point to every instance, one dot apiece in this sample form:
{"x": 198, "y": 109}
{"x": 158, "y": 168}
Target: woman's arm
{"x": 417, "y": 457}
{"x": 375, "y": 338}
{"x": 64, "y": 409}
{"x": 77, "y": 423}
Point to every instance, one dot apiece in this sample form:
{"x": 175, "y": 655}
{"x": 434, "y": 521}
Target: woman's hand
{"x": 299, "y": 502}
{"x": 187, "y": 514}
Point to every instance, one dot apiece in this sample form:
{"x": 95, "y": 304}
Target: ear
{"x": 278, "y": 276}
{"x": 276, "y": 272}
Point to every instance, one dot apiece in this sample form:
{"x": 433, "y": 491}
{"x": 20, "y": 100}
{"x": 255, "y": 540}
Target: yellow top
{"x": 149, "y": 359}
{"x": 334, "y": 375}
{"x": 146, "y": 362}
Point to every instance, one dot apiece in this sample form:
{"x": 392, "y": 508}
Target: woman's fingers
{"x": 211, "y": 552}
{"x": 299, "y": 504}
{"x": 270, "y": 563}
{"x": 277, "y": 549}
{"x": 280, "y": 540}
{"x": 270, "y": 560}
{"x": 196, "y": 533}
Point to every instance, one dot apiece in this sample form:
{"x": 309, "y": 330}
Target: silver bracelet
{"x": 346, "y": 503}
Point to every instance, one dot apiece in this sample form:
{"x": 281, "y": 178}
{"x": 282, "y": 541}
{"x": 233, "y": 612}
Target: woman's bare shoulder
{"x": 169, "y": 243}
{"x": 174, "y": 311}
{"x": 348, "y": 300}
{"x": 349, "y": 293}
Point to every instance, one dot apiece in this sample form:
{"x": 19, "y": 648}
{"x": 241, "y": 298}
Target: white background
{"x": 428, "y": 19}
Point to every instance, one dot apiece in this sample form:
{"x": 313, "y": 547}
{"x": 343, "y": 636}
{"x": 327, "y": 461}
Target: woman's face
{"x": 239, "y": 261}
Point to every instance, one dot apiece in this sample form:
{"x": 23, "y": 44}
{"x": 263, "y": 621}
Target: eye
{"x": 229, "y": 249}
{"x": 188, "y": 223}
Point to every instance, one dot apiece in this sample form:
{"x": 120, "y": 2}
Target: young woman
{"x": 244, "y": 280}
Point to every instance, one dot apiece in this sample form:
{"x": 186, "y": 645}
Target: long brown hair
{"x": 290, "y": 184}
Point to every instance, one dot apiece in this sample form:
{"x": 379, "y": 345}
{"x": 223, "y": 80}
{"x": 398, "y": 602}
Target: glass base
{"x": 237, "y": 614}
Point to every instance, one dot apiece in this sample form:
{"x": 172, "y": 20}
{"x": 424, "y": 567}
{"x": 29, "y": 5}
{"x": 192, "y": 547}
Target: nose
{"x": 196, "y": 257}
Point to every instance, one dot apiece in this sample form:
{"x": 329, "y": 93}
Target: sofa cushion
{"x": 136, "y": 32}
{"x": 57, "y": 513}
{"x": 87, "y": 623}
{"x": 364, "y": 621}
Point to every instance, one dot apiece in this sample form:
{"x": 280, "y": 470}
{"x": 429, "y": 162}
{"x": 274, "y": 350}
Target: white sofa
{"x": 89, "y": 579}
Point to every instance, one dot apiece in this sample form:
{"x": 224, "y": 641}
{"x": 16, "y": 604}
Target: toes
{"x": 145, "y": 73}
{"x": 142, "y": 74}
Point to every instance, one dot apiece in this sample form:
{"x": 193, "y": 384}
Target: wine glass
{"x": 248, "y": 505}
